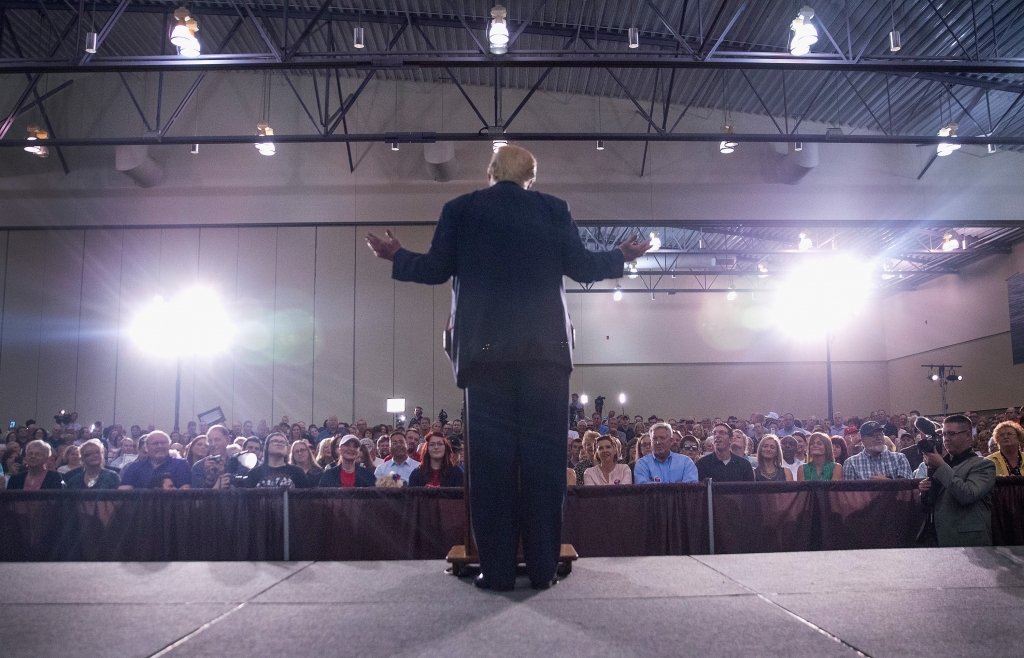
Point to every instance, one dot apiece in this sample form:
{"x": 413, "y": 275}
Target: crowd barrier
{"x": 390, "y": 524}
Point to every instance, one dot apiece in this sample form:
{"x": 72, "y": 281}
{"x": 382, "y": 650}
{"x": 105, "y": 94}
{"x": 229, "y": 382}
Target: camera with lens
{"x": 931, "y": 442}
{"x": 63, "y": 418}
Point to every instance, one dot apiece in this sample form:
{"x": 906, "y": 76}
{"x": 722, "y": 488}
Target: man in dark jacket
{"x": 507, "y": 249}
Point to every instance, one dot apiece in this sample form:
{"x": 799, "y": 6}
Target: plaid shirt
{"x": 863, "y": 466}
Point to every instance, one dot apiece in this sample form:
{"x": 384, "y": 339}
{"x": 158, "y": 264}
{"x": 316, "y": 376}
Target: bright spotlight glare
{"x": 583, "y": 398}
{"x": 617, "y": 296}
{"x": 158, "y": 329}
{"x": 838, "y": 277}
{"x": 622, "y": 398}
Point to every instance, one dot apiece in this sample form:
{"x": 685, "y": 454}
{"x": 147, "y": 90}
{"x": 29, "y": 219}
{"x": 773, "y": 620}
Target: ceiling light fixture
{"x": 945, "y": 148}
{"x": 634, "y": 37}
{"x": 498, "y": 32}
{"x": 728, "y": 145}
{"x": 949, "y": 243}
{"x": 805, "y": 243}
{"x": 618, "y": 294}
{"x": 358, "y": 37}
{"x": 600, "y": 145}
{"x": 183, "y": 34}
{"x": 91, "y": 42}
{"x": 732, "y": 295}
{"x": 804, "y": 34}
{"x": 894, "y": 36}
{"x": 35, "y": 133}
{"x": 655, "y": 241}
{"x": 265, "y": 147}
{"x": 394, "y": 146}
{"x": 762, "y": 270}
{"x": 632, "y": 270}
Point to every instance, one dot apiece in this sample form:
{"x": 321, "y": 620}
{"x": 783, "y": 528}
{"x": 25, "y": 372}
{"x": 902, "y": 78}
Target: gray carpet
{"x": 929, "y": 603}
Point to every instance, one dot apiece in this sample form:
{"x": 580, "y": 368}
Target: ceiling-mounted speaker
{"x": 441, "y": 163}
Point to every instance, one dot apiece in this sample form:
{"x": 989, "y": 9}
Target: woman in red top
{"x": 438, "y": 466}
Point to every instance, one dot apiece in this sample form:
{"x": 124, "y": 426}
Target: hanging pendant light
{"x": 35, "y": 133}
{"x": 498, "y": 32}
{"x": 265, "y": 147}
{"x": 945, "y": 148}
{"x": 634, "y": 37}
{"x": 183, "y": 34}
{"x": 805, "y": 34}
{"x": 358, "y": 37}
{"x": 91, "y": 42}
{"x": 728, "y": 145}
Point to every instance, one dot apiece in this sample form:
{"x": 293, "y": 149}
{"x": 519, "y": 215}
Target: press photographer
{"x": 958, "y": 489}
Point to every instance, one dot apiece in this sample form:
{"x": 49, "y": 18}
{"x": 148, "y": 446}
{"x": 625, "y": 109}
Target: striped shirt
{"x": 865, "y": 465}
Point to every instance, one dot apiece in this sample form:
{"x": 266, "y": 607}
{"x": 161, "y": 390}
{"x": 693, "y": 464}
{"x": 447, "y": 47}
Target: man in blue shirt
{"x": 663, "y": 465}
{"x": 140, "y": 472}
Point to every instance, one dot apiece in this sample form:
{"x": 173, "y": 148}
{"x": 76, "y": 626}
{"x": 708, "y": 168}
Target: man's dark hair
{"x": 395, "y": 433}
{"x": 957, "y": 419}
{"x": 720, "y": 425}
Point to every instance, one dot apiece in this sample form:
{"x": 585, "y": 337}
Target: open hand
{"x": 383, "y": 247}
{"x": 632, "y": 248}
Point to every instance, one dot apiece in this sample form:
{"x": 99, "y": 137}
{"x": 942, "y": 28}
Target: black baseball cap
{"x": 870, "y": 428}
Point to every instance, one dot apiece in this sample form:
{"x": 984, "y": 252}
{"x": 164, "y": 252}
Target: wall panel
{"x": 59, "y": 325}
{"x": 213, "y": 376}
{"x": 254, "y": 346}
{"x": 179, "y": 266}
{"x": 333, "y": 311}
{"x": 135, "y": 401}
{"x": 98, "y": 344}
{"x": 293, "y": 324}
{"x": 414, "y": 340}
{"x": 374, "y": 332}
{"x": 23, "y": 298}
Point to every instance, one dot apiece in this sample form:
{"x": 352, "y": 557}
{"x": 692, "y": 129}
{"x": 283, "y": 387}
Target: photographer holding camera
{"x": 958, "y": 489}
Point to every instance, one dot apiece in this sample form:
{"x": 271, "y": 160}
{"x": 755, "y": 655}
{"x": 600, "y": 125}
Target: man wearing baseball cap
{"x": 875, "y": 462}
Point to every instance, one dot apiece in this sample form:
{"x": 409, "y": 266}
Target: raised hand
{"x": 632, "y": 248}
{"x": 383, "y": 247}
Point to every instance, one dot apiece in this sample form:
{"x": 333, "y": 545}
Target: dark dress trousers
{"x": 511, "y": 342}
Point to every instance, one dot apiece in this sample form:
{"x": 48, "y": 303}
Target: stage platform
{"x": 905, "y": 602}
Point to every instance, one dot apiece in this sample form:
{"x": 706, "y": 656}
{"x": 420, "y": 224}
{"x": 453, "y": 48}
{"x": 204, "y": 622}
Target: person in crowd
{"x": 326, "y": 453}
{"x": 723, "y": 465}
{"x": 93, "y": 475}
{"x": 329, "y": 429}
{"x": 127, "y": 452}
{"x": 691, "y": 447}
{"x": 365, "y": 458}
{"x": 437, "y": 468}
{"x": 11, "y": 458}
{"x": 35, "y": 476}
{"x": 412, "y": 442}
{"x": 400, "y": 463}
{"x": 839, "y": 449}
{"x": 575, "y": 451}
{"x": 371, "y": 450}
{"x": 275, "y": 472}
{"x": 788, "y": 425}
{"x": 295, "y": 433}
{"x": 348, "y": 472}
{"x": 821, "y": 463}
{"x": 217, "y": 439}
{"x": 875, "y": 462}
{"x": 1009, "y": 436}
{"x": 801, "y": 443}
{"x": 769, "y": 461}
{"x": 383, "y": 447}
{"x": 608, "y": 469}
{"x": 301, "y": 455}
{"x": 958, "y": 488}
{"x": 589, "y": 454}
{"x": 661, "y": 464}
{"x": 790, "y": 460}
{"x": 739, "y": 444}
{"x": 69, "y": 460}
{"x": 157, "y": 461}
{"x": 197, "y": 448}
{"x": 255, "y": 446}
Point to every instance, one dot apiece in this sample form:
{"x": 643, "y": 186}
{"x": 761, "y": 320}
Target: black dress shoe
{"x": 544, "y": 584}
{"x": 483, "y": 582}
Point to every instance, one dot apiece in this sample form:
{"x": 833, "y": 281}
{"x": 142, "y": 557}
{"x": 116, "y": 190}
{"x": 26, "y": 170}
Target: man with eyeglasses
{"x": 875, "y": 462}
{"x": 276, "y": 472}
{"x": 662, "y": 465}
{"x": 958, "y": 488}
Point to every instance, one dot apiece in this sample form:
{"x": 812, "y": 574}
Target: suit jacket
{"x": 963, "y": 507}
{"x": 506, "y": 250}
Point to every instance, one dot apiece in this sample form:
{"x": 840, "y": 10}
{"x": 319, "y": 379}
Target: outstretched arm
{"x": 434, "y": 267}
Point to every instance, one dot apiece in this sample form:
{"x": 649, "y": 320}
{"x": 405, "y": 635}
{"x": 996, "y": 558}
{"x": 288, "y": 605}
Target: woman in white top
{"x": 608, "y": 470}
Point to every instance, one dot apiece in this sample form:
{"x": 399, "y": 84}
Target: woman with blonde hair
{"x": 608, "y": 469}
{"x": 301, "y": 455}
{"x": 589, "y": 454}
{"x": 821, "y": 462}
{"x": 1008, "y": 436}
{"x": 325, "y": 453}
{"x": 769, "y": 461}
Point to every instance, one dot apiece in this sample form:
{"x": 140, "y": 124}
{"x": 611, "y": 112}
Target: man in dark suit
{"x": 507, "y": 249}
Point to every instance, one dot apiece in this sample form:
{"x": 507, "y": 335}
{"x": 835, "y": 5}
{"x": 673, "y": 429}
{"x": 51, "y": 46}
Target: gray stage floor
{"x": 929, "y": 603}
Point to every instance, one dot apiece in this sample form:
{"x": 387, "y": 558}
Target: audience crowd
{"x": 602, "y": 449}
